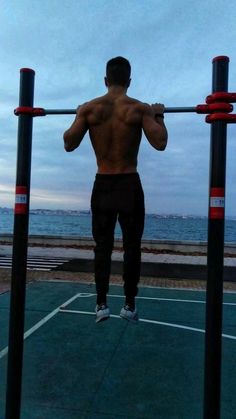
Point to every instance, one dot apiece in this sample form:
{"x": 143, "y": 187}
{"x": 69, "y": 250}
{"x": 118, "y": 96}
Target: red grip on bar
{"x": 214, "y": 107}
{"x": 221, "y": 97}
{"x": 229, "y": 118}
{"x": 27, "y": 110}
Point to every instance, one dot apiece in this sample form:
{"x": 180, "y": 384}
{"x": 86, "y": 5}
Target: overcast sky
{"x": 170, "y": 45}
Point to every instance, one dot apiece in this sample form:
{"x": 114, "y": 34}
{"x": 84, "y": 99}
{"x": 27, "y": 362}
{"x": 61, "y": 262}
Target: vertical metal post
{"x": 215, "y": 255}
{"x": 20, "y": 243}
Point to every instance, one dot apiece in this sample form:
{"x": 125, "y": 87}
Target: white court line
{"x": 177, "y": 300}
{"x": 61, "y": 308}
{"x": 41, "y": 322}
{"x": 176, "y": 326}
{"x": 179, "y": 289}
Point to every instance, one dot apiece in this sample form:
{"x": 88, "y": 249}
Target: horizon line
{"x": 160, "y": 214}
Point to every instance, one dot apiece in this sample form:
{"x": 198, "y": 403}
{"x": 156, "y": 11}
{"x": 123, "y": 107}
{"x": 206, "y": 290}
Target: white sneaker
{"x": 129, "y": 314}
{"x": 102, "y": 312}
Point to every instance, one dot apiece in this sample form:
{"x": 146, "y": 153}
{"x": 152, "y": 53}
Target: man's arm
{"x": 75, "y": 134}
{"x": 154, "y": 127}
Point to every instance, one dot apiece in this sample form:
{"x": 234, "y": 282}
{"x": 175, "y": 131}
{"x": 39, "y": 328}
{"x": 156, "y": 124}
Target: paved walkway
{"x": 87, "y": 277}
{"x": 71, "y": 253}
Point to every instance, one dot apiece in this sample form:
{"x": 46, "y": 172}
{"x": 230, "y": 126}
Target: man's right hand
{"x": 158, "y": 108}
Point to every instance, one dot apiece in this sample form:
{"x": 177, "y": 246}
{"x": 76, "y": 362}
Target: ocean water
{"x": 156, "y": 227}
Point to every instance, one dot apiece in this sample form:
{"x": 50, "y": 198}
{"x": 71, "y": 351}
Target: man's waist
{"x": 117, "y": 175}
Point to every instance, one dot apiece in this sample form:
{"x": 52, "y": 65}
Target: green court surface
{"x": 77, "y": 369}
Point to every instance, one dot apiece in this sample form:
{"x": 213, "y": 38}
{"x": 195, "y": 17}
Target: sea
{"x": 78, "y": 224}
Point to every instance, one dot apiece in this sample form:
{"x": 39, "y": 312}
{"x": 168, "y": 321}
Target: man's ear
{"x": 105, "y": 81}
{"x": 128, "y": 84}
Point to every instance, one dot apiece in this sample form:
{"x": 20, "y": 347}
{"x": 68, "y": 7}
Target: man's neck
{"x": 116, "y": 90}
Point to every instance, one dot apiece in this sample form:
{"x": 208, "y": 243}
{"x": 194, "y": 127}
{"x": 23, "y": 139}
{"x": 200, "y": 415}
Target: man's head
{"x": 118, "y": 72}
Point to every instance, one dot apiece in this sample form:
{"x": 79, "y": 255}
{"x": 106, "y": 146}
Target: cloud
{"x": 170, "y": 45}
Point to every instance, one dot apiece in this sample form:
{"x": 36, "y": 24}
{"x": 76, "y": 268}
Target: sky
{"x": 170, "y": 45}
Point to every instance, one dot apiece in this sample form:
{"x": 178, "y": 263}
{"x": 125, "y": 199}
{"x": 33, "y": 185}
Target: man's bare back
{"x": 115, "y": 129}
{"x": 115, "y": 123}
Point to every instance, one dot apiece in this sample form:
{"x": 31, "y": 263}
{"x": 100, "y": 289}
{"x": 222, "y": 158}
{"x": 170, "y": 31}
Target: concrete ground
{"x": 75, "y": 368}
{"x": 141, "y": 372}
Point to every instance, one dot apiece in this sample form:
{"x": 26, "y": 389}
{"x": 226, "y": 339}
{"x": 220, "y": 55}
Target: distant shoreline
{"x": 68, "y": 212}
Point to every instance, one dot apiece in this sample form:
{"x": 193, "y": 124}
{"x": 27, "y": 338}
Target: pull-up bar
{"x": 200, "y": 109}
{"x": 73, "y": 111}
{"x": 218, "y": 107}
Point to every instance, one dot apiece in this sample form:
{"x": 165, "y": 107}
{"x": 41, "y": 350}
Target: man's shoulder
{"x": 133, "y": 100}
{"x": 91, "y": 104}
{"x": 101, "y": 101}
{"x": 97, "y": 99}
{"x": 139, "y": 105}
{"x": 138, "y": 102}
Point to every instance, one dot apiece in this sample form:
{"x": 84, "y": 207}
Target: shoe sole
{"x": 128, "y": 319}
{"x": 102, "y": 319}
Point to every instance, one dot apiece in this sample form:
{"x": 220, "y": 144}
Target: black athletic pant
{"x": 117, "y": 197}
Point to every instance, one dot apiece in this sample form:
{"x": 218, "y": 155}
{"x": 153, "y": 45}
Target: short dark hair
{"x": 118, "y": 71}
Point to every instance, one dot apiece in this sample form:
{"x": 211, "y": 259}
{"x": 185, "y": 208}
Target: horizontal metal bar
{"x": 180, "y": 109}
{"x": 60, "y": 111}
{"x": 73, "y": 111}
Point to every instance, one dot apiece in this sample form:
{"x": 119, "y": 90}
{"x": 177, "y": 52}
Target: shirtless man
{"x": 115, "y": 123}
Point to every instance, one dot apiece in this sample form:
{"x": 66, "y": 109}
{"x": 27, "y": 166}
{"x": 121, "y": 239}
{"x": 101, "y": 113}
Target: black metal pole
{"x": 20, "y": 242}
{"x": 215, "y": 254}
